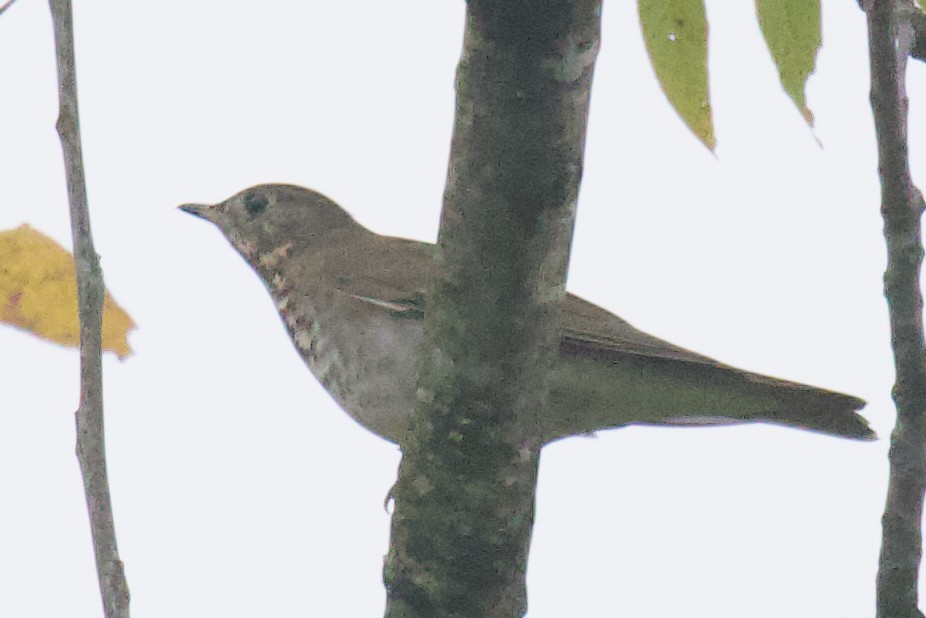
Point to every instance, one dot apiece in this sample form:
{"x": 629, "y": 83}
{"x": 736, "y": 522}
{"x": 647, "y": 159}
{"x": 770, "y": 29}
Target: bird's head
{"x": 262, "y": 219}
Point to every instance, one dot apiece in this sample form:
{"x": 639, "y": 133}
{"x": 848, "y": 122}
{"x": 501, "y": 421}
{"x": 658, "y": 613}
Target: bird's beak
{"x": 203, "y": 211}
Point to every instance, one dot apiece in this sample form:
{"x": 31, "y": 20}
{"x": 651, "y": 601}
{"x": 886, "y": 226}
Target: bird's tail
{"x": 793, "y": 405}
{"x": 821, "y": 410}
{"x": 628, "y": 389}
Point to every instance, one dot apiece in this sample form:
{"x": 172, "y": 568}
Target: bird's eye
{"x": 255, "y": 203}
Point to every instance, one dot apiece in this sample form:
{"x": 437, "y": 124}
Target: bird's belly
{"x": 369, "y": 366}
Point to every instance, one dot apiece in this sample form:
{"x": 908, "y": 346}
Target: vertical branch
{"x": 890, "y": 39}
{"x": 91, "y": 451}
{"x": 464, "y": 500}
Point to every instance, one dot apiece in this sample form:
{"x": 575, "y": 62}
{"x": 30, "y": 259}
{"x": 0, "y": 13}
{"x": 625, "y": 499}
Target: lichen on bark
{"x": 465, "y": 495}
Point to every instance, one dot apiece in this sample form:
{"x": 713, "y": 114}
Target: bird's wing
{"x": 593, "y": 332}
{"x": 587, "y": 326}
{"x": 392, "y": 275}
{"x": 386, "y": 273}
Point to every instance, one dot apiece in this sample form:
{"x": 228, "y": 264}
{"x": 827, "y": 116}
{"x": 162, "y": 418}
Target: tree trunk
{"x": 465, "y": 495}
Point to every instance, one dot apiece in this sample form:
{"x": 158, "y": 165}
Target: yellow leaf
{"x": 675, "y": 32}
{"x": 38, "y": 292}
{"x": 792, "y": 32}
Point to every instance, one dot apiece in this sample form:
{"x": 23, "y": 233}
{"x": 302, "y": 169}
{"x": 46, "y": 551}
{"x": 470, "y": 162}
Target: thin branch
{"x": 890, "y": 35}
{"x": 91, "y": 451}
{"x": 7, "y": 5}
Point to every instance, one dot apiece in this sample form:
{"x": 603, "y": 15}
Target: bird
{"x": 354, "y": 302}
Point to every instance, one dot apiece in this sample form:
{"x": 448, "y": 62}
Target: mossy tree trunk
{"x": 465, "y": 496}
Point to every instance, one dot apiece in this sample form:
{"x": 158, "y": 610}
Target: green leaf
{"x": 675, "y": 32}
{"x": 792, "y": 32}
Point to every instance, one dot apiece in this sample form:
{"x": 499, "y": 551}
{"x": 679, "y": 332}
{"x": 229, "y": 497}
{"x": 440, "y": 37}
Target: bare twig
{"x": 90, "y": 444}
{"x": 890, "y": 35}
{"x": 7, "y": 5}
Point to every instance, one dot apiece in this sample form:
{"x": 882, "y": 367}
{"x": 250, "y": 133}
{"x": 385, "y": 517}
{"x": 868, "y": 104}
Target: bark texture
{"x": 917, "y": 19}
{"x": 891, "y": 35}
{"x": 465, "y": 496}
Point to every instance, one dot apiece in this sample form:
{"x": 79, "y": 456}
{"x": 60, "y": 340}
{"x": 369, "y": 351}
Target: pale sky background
{"x": 240, "y": 489}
